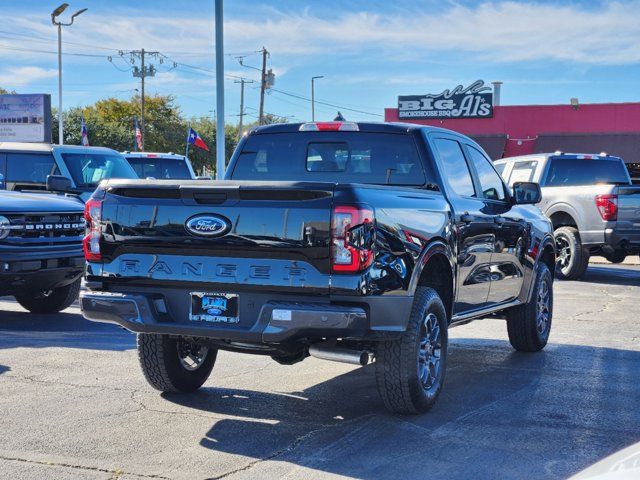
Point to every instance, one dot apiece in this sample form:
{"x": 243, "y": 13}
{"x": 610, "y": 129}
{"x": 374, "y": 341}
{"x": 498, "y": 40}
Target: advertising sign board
{"x": 25, "y": 118}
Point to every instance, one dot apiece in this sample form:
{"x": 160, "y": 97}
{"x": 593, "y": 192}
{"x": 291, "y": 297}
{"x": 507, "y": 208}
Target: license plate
{"x": 214, "y": 307}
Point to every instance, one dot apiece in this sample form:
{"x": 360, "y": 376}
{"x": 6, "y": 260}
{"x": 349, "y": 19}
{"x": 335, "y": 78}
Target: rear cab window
{"x": 341, "y": 157}
{"x": 523, "y": 171}
{"x": 160, "y": 168}
{"x": 568, "y": 171}
{"x": 500, "y": 167}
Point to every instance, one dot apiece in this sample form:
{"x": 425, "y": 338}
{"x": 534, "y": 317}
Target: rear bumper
{"x": 141, "y": 312}
{"x": 623, "y": 239}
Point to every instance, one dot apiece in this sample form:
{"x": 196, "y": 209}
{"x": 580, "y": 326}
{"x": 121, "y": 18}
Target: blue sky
{"x": 368, "y": 51}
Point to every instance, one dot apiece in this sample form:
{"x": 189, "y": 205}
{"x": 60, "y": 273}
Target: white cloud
{"x": 508, "y": 31}
{"x": 20, "y": 76}
{"x": 494, "y": 31}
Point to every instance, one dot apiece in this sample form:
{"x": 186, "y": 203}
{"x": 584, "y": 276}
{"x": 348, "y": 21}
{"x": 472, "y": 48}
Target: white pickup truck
{"x": 590, "y": 201}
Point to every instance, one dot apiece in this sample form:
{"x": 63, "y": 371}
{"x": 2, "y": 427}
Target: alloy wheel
{"x": 543, "y": 307}
{"x": 429, "y": 355}
{"x": 191, "y": 354}
{"x": 564, "y": 251}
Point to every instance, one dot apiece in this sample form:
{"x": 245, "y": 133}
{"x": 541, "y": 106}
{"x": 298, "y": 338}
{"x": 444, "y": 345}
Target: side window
{"x": 523, "y": 171}
{"x": 500, "y": 168}
{"x": 490, "y": 181}
{"x": 29, "y": 167}
{"x": 3, "y": 170}
{"x": 456, "y": 171}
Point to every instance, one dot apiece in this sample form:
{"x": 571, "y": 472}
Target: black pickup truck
{"x": 344, "y": 241}
{"x": 41, "y": 261}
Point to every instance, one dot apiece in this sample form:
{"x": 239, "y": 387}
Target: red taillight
{"x": 91, "y": 241}
{"x": 607, "y": 207}
{"x": 351, "y": 238}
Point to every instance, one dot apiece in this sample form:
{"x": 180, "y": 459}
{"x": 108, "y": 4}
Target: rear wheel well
{"x": 437, "y": 274}
{"x": 562, "y": 219}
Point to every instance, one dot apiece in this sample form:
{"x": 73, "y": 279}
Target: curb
{"x": 630, "y": 260}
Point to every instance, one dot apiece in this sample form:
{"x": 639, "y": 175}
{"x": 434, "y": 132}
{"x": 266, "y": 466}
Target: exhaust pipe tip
{"x": 342, "y": 355}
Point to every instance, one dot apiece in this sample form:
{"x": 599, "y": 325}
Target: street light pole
{"x": 56, "y": 13}
{"x": 60, "y": 121}
{"x": 313, "y": 100}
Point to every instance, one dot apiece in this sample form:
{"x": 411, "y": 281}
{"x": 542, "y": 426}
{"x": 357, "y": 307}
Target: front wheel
{"x": 50, "y": 301}
{"x": 529, "y": 325}
{"x": 410, "y": 371}
{"x": 173, "y": 364}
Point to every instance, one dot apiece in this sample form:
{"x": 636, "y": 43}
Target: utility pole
{"x": 263, "y": 84}
{"x": 142, "y": 72}
{"x": 313, "y": 98}
{"x": 242, "y": 82}
{"x": 220, "y": 140}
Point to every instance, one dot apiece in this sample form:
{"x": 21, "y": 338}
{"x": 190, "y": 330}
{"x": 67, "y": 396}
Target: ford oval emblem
{"x": 208, "y": 225}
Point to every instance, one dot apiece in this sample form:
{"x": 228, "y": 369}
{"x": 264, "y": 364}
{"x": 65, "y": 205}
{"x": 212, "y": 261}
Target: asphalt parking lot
{"x": 74, "y": 404}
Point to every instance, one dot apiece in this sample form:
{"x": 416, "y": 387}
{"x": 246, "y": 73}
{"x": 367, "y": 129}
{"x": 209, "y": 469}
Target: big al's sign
{"x": 474, "y": 101}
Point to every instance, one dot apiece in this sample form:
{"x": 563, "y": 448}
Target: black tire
{"x": 162, "y": 365}
{"x": 573, "y": 257}
{"x": 398, "y": 362}
{"x": 617, "y": 256}
{"x": 529, "y": 325}
{"x": 51, "y": 301}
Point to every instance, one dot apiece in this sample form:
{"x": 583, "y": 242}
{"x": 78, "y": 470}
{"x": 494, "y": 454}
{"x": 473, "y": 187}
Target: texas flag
{"x": 196, "y": 140}
{"x": 84, "y": 134}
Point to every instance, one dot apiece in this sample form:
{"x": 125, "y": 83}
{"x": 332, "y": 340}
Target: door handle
{"x": 466, "y": 217}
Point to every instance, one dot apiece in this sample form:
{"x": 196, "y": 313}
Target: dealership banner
{"x": 474, "y": 101}
{"x": 25, "y": 118}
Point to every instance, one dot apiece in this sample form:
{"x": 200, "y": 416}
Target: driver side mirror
{"x": 59, "y": 183}
{"x": 526, "y": 193}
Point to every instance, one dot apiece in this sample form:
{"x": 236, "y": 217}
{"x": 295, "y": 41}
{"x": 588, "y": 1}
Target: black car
{"x": 41, "y": 260}
{"x": 344, "y": 241}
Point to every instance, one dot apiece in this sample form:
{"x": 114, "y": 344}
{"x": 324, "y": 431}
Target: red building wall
{"x": 523, "y": 123}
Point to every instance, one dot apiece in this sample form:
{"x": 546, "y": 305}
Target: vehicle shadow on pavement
{"x": 3, "y": 369}
{"x": 611, "y": 275}
{"x": 502, "y": 414}
{"x": 69, "y": 330}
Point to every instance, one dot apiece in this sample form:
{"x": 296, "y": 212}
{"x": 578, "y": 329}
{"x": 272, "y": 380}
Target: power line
{"x": 33, "y": 50}
{"x": 325, "y": 103}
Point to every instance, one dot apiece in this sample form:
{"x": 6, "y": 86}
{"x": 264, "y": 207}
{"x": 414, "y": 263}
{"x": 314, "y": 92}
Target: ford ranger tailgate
{"x": 266, "y": 234}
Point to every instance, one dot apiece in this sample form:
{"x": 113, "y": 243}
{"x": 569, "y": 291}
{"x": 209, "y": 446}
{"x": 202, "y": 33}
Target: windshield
{"x": 565, "y": 172}
{"x": 160, "y": 167}
{"x": 88, "y": 169}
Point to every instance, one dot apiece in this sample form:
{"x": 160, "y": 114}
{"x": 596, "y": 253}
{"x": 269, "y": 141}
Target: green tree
{"x": 110, "y": 123}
